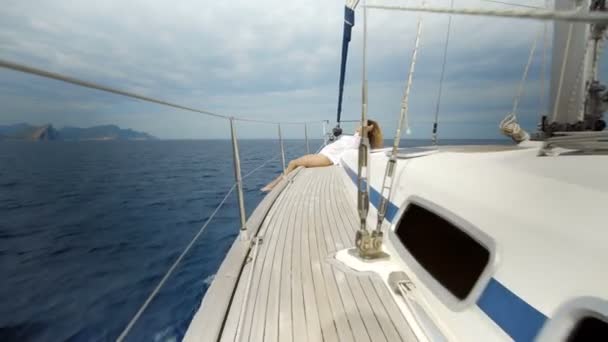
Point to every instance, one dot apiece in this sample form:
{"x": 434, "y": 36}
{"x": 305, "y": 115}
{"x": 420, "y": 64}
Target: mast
{"x": 349, "y": 22}
{"x": 577, "y": 99}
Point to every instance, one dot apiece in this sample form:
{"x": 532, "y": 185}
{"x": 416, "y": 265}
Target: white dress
{"x": 335, "y": 150}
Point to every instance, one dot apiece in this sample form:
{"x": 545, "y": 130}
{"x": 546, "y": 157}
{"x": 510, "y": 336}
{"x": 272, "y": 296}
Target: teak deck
{"x": 294, "y": 293}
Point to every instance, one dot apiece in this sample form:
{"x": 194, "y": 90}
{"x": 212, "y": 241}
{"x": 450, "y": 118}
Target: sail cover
{"x": 349, "y": 22}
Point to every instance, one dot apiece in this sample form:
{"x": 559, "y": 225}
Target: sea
{"x": 88, "y": 229}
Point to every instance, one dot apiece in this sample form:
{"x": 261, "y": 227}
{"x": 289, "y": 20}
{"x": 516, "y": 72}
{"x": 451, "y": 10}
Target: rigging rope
{"x": 509, "y": 125}
{"x": 403, "y": 120}
{"x": 388, "y": 180}
{"x": 445, "y": 56}
{"x": 363, "y": 156}
{"x": 540, "y": 14}
{"x": 82, "y": 83}
{"x": 522, "y": 82}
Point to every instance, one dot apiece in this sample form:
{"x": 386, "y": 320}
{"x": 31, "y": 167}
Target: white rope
{"x": 511, "y": 128}
{"x": 540, "y": 14}
{"x": 509, "y": 125}
{"x": 532, "y": 49}
{"x": 522, "y": 82}
{"x": 82, "y": 83}
{"x": 440, "y": 91}
{"x": 171, "y": 269}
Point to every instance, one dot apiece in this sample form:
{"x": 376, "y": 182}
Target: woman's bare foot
{"x": 272, "y": 184}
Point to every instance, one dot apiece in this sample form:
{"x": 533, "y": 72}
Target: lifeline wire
{"x": 82, "y": 83}
{"x": 171, "y": 269}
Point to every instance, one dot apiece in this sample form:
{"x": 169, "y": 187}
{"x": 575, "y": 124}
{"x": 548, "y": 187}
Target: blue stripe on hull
{"x": 374, "y": 197}
{"x": 511, "y": 313}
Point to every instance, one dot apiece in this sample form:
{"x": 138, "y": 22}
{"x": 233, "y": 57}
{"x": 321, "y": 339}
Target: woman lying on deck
{"x": 332, "y": 153}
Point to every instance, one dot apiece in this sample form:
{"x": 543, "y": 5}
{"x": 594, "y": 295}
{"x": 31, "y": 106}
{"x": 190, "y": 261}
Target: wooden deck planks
{"x": 321, "y": 228}
{"x": 207, "y": 323}
{"x": 300, "y": 323}
{"x": 328, "y": 325}
{"x": 271, "y": 328}
{"x": 329, "y": 210}
{"x": 285, "y": 331}
{"x": 295, "y": 294}
{"x": 259, "y": 309}
{"x": 313, "y": 323}
{"x": 392, "y": 310}
{"x": 347, "y": 224}
{"x": 266, "y": 234}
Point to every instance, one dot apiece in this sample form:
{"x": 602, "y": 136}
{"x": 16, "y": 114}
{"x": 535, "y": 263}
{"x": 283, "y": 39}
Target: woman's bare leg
{"x": 309, "y": 160}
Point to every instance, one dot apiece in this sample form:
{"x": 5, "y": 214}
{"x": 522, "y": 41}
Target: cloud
{"x": 270, "y": 59}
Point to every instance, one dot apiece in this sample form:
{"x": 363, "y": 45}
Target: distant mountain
{"x": 106, "y": 132}
{"x": 28, "y": 132}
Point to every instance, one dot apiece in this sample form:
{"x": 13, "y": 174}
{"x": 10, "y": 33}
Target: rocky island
{"x": 27, "y": 132}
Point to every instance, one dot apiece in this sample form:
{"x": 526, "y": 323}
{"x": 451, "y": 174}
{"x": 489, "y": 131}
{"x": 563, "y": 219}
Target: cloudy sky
{"x": 269, "y": 59}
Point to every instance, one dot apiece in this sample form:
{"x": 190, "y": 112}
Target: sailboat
{"x": 443, "y": 243}
{"x": 476, "y": 243}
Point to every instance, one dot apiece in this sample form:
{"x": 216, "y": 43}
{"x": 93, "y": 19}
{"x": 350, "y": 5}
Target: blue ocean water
{"x": 87, "y": 229}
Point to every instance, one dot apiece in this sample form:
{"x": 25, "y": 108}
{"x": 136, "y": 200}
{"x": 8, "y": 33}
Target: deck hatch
{"x": 449, "y": 254}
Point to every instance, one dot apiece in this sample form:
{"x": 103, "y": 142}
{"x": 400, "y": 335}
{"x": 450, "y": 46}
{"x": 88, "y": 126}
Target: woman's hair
{"x": 376, "y": 140}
